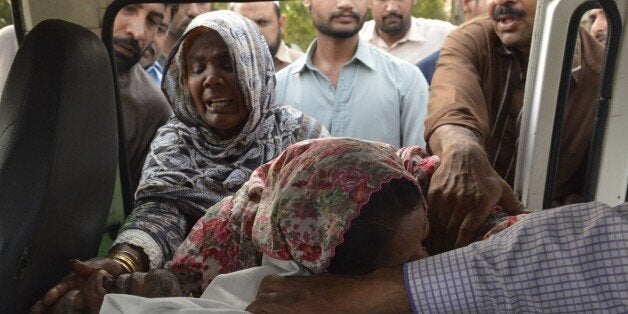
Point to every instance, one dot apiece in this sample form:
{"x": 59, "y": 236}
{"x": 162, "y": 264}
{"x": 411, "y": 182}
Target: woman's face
{"x": 406, "y": 245}
{"x": 213, "y": 84}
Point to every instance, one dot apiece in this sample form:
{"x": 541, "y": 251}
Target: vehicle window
{"x": 586, "y": 44}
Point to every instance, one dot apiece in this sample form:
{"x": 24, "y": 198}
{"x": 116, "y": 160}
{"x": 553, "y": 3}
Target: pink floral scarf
{"x": 295, "y": 207}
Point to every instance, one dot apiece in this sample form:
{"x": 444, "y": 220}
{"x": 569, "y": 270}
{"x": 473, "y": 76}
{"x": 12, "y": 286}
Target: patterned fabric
{"x": 572, "y": 259}
{"x": 416, "y": 160}
{"x": 189, "y": 168}
{"x": 296, "y": 207}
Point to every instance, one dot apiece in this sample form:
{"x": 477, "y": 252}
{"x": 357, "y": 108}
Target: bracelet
{"x": 133, "y": 257}
{"x": 125, "y": 259}
{"x": 122, "y": 263}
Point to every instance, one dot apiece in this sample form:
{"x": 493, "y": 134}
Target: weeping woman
{"x": 220, "y": 82}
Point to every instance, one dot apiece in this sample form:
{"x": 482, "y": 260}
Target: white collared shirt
{"x": 424, "y": 37}
{"x": 284, "y": 56}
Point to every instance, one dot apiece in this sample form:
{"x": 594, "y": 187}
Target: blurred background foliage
{"x": 432, "y": 9}
{"x": 220, "y": 6}
{"x": 300, "y": 31}
{"x": 5, "y": 14}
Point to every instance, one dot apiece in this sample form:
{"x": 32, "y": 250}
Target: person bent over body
{"x": 334, "y": 205}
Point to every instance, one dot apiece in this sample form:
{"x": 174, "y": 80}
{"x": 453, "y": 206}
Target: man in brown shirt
{"x": 144, "y": 106}
{"x": 474, "y": 114}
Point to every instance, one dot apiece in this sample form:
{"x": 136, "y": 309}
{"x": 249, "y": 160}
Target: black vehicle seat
{"x": 58, "y": 156}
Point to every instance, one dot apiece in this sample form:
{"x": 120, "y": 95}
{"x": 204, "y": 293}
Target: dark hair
{"x": 277, "y": 10}
{"x": 174, "y": 8}
{"x": 163, "y": 283}
{"x": 364, "y": 243}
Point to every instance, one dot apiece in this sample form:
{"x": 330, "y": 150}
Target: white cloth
{"x": 227, "y": 293}
{"x": 424, "y": 37}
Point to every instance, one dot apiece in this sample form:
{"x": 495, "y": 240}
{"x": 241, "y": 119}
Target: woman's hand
{"x": 71, "y": 302}
{"x": 94, "y": 290}
{"x": 87, "y": 299}
{"x": 81, "y": 271}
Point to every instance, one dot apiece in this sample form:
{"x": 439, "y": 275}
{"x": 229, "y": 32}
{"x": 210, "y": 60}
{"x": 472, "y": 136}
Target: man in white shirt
{"x": 395, "y": 30}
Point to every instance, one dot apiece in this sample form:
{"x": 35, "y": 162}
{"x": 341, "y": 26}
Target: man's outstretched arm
{"x": 383, "y": 291}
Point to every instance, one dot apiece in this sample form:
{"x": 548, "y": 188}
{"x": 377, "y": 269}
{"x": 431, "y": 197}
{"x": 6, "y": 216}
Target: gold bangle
{"x": 130, "y": 260}
{"x": 133, "y": 257}
{"x": 121, "y": 263}
{"x": 125, "y": 261}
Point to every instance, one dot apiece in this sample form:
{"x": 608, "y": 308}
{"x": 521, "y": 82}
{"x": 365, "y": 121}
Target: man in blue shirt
{"x": 354, "y": 89}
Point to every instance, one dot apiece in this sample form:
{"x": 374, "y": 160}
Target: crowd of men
{"x": 367, "y": 79}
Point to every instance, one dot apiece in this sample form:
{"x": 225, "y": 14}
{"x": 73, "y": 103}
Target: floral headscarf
{"x": 189, "y": 168}
{"x": 296, "y": 207}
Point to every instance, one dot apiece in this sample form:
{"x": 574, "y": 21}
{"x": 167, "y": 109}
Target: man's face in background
{"x": 267, "y": 18}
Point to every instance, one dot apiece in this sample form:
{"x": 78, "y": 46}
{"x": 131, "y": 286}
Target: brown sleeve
{"x": 579, "y": 119}
{"x": 456, "y": 93}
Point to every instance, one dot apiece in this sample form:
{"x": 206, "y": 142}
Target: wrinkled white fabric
{"x": 227, "y": 293}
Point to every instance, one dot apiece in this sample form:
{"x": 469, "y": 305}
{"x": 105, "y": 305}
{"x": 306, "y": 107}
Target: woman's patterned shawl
{"x": 189, "y": 168}
{"x": 299, "y": 206}
{"x": 296, "y": 207}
